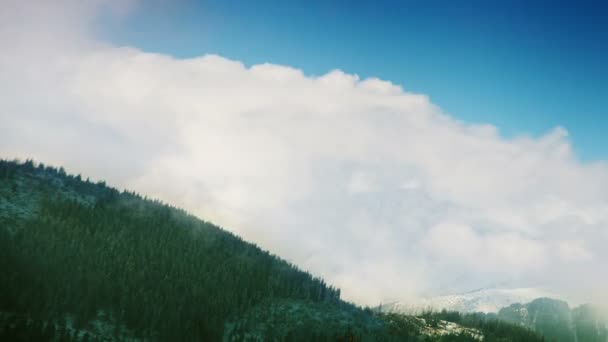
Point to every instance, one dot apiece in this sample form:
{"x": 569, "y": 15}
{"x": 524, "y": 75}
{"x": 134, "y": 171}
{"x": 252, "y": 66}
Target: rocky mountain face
{"x": 557, "y": 321}
{"x": 551, "y": 318}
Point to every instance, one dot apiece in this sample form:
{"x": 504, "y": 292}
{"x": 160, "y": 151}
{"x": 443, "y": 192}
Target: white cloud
{"x": 371, "y": 187}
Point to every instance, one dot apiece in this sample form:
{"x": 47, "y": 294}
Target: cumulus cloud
{"x": 357, "y": 180}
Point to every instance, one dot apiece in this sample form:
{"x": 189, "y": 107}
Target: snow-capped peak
{"x": 481, "y": 300}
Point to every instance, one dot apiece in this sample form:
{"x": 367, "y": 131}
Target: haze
{"x": 358, "y": 180}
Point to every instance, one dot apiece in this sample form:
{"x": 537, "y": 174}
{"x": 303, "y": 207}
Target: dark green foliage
{"x": 403, "y": 325}
{"x": 78, "y": 249}
{"x": 492, "y": 328}
{"x": 15, "y": 327}
{"x": 288, "y": 320}
{"x": 155, "y": 268}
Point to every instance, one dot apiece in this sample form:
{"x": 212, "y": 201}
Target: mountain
{"x": 82, "y": 261}
{"x": 557, "y": 322}
{"x": 485, "y": 300}
{"x": 552, "y": 318}
{"x": 590, "y": 324}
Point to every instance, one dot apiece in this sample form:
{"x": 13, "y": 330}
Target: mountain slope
{"x": 78, "y": 247}
{"x": 557, "y": 322}
{"x": 82, "y": 261}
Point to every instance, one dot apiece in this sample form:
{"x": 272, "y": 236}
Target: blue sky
{"x": 525, "y": 67}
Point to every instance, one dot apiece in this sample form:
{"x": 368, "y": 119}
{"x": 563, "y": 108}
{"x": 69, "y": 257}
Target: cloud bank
{"x": 356, "y": 180}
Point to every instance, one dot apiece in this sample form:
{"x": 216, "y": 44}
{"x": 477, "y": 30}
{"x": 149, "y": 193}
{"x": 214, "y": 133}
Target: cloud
{"x": 372, "y": 187}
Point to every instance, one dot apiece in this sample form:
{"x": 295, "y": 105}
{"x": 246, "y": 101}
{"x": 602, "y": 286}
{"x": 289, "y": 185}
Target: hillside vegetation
{"x": 83, "y": 261}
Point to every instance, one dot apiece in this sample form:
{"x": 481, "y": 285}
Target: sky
{"x": 524, "y": 66}
{"x": 448, "y": 149}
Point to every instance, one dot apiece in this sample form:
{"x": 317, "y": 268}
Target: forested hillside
{"x": 83, "y": 261}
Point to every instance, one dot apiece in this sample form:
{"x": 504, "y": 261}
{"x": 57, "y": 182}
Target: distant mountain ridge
{"x": 555, "y": 320}
{"x": 486, "y": 300}
{"x": 525, "y": 307}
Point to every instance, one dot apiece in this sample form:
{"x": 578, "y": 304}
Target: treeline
{"x": 81, "y": 250}
{"x": 158, "y": 270}
{"x": 57, "y": 177}
{"x": 23, "y": 328}
{"x": 493, "y": 329}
